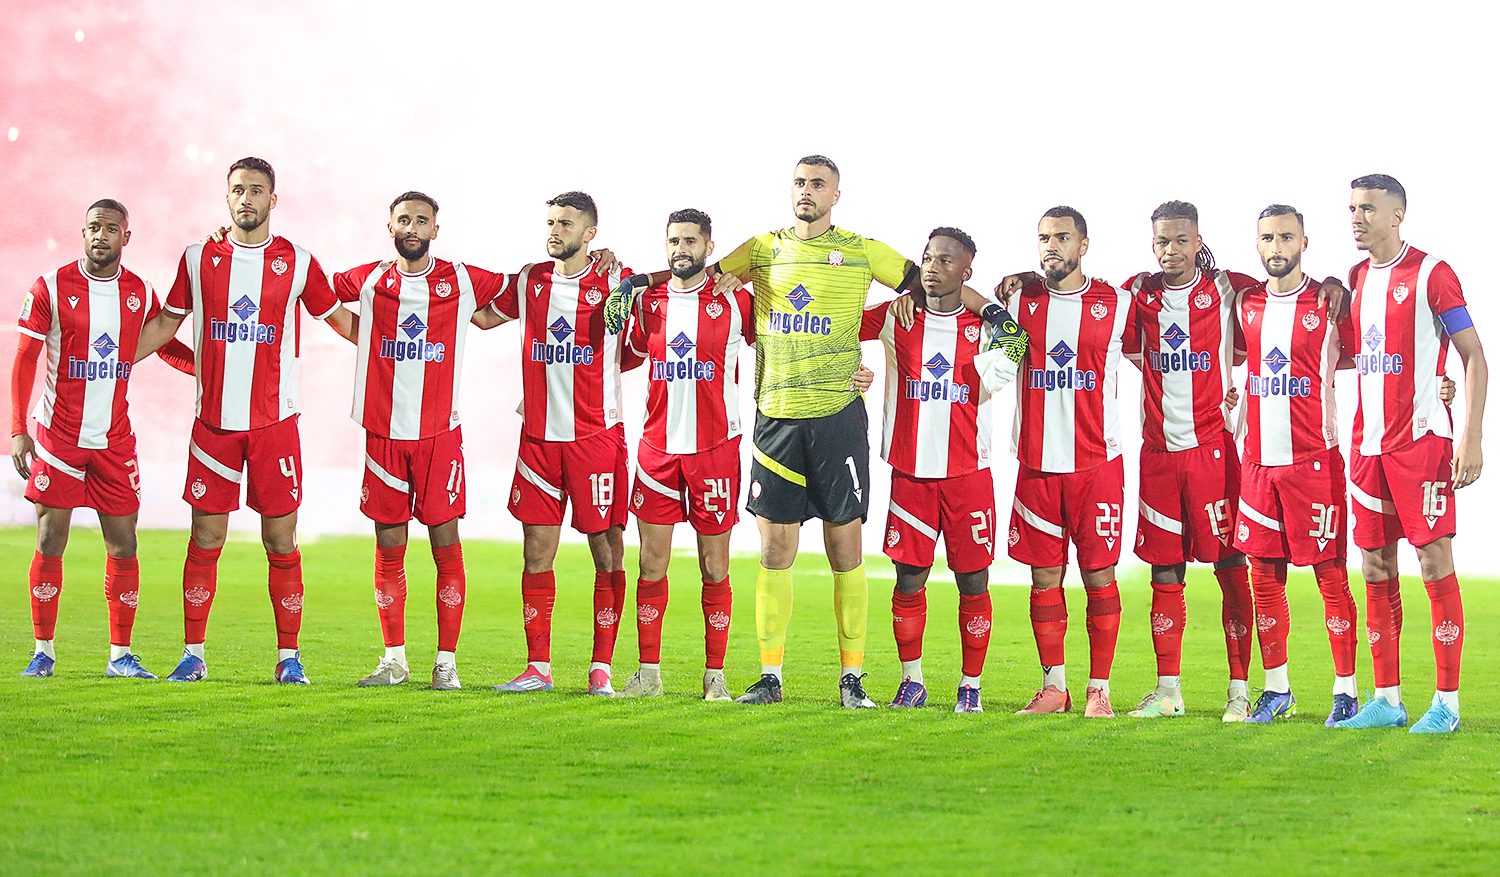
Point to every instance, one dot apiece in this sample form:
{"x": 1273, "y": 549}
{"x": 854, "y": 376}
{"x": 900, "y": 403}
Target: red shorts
{"x": 103, "y": 479}
{"x": 1407, "y": 492}
{"x": 1188, "y": 500}
{"x": 422, "y": 478}
{"x": 702, "y": 488}
{"x": 218, "y": 459}
{"x": 586, "y": 473}
{"x": 1051, "y": 507}
{"x": 1297, "y": 512}
{"x": 961, "y": 508}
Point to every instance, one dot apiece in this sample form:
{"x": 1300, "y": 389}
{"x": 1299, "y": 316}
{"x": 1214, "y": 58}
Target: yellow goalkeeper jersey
{"x": 809, "y": 297}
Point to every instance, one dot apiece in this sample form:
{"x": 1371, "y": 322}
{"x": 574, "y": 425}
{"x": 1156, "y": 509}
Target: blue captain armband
{"x": 1456, "y": 320}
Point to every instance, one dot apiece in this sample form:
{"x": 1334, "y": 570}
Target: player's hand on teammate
{"x": 23, "y": 451}
{"x": 1012, "y": 284}
{"x": 1231, "y": 398}
{"x": 1447, "y": 390}
{"x": 727, "y": 284}
{"x": 1335, "y": 295}
{"x": 617, "y": 306}
{"x": 904, "y": 309}
{"x": 218, "y": 235}
{"x": 862, "y": 379}
{"x": 605, "y": 262}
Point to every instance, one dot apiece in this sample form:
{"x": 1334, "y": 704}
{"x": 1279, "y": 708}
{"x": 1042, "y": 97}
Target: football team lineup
{"x": 1247, "y": 477}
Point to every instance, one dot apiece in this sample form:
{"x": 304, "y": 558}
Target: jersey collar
{"x": 87, "y": 276}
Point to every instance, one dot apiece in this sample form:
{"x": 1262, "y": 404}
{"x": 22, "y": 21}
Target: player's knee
{"x": 1436, "y": 560}
{"x": 1169, "y": 575}
{"x": 972, "y": 584}
{"x": 1376, "y": 567}
{"x": 1231, "y": 562}
{"x": 51, "y": 540}
{"x": 120, "y": 546}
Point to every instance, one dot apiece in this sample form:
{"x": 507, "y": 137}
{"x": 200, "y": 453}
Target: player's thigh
{"x": 1211, "y": 492}
{"x": 1259, "y": 530}
{"x": 657, "y": 494}
{"x": 1038, "y": 536}
{"x": 838, "y": 450}
{"x": 437, "y": 477}
{"x": 215, "y": 468}
{"x": 273, "y": 469}
{"x": 1161, "y": 531}
{"x": 1421, "y": 480}
{"x": 1092, "y": 503}
{"x": 113, "y": 485}
{"x": 59, "y": 474}
{"x": 1376, "y": 524}
{"x": 536, "y": 491}
{"x": 1314, "y": 509}
{"x": 594, "y": 479}
{"x": 967, "y": 521}
{"x": 711, "y": 487}
{"x": 385, "y": 491}
{"x": 913, "y": 520}
{"x": 778, "y": 471}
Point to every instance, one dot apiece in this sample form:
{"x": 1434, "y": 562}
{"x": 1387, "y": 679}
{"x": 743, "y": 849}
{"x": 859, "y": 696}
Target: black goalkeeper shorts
{"x": 816, "y": 467}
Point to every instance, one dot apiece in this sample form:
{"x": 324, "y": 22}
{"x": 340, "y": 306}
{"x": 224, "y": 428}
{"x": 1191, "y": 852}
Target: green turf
{"x": 238, "y": 775}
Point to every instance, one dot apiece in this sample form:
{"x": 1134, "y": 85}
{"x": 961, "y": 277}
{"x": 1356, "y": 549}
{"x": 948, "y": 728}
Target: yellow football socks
{"x": 851, "y": 605}
{"x": 773, "y": 613}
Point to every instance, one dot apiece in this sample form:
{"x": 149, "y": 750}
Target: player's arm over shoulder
{"x": 889, "y": 268}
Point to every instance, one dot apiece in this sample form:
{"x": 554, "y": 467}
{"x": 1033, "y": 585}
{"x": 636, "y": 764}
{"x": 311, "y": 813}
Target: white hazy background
{"x": 979, "y": 116}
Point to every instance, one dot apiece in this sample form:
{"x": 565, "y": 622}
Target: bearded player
{"x": 412, "y": 325}
{"x": 1408, "y": 307}
{"x": 88, "y": 316}
{"x": 1071, "y": 481}
{"x": 810, "y": 450}
{"x": 937, "y": 441}
{"x": 243, "y": 293}
{"x": 572, "y": 449}
{"x": 1293, "y": 504}
{"x": 688, "y": 464}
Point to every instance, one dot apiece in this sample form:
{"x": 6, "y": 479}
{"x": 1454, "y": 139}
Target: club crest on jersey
{"x": 1310, "y": 321}
{"x": 798, "y": 322}
{"x": 836, "y": 257}
{"x": 593, "y": 296}
{"x": 278, "y": 266}
{"x": 1202, "y": 301}
{"x": 198, "y": 489}
{"x": 450, "y": 597}
{"x": 1375, "y": 362}
{"x": 971, "y": 333}
{"x": 1098, "y": 311}
{"x": 1447, "y": 633}
{"x": 563, "y": 352}
{"x": 939, "y": 389}
{"x": 713, "y": 309}
{"x": 1401, "y": 292}
{"x": 133, "y": 302}
{"x": 42, "y": 481}
{"x": 443, "y": 289}
{"x": 1064, "y": 376}
{"x": 892, "y": 536}
{"x": 412, "y": 347}
{"x": 247, "y": 329}
{"x": 44, "y": 592}
{"x": 292, "y": 603}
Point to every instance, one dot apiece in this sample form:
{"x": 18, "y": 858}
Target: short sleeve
{"x": 1130, "y": 337}
{"x": 738, "y": 262}
{"x": 153, "y": 305}
{"x": 887, "y": 266}
{"x": 1444, "y": 293}
{"x": 873, "y": 321}
{"x": 1348, "y": 334}
{"x": 36, "y": 311}
{"x": 180, "y": 296}
{"x": 346, "y": 284}
{"x": 317, "y": 294}
{"x": 488, "y": 285}
{"x": 746, "y": 303}
{"x": 635, "y": 333}
{"x": 506, "y": 302}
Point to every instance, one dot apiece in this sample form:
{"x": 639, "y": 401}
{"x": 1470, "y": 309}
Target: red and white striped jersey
{"x": 1404, "y": 349}
{"x": 1292, "y": 351}
{"x": 243, "y": 299}
{"x": 412, "y": 329}
{"x": 570, "y": 366}
{"x": 1187, "y": 339}
{"x": 937, "y": 413}
{"x": 691, "y": 342}
{"x": 91, "y": 327}
{"x": 1067, "y": 405}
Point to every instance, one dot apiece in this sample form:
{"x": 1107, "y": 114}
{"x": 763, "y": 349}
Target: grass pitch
{"x": 237, "y": 775}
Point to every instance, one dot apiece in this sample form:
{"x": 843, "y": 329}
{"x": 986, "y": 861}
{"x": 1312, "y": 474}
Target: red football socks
{"x": 538, "y": 593}
{"x": 452, "y": 592}
{"x": 1272, "y": 618}
{"x": 200, "y": 581}
{"x": 975, "y": 616}
{"x": 1168, "y": 617}
{"x": 1340, "y": 615}
{"x": 909, "y": 621}
{"x": 609, "y": 602}
{"x": 1049, "y": 624}
{"x": 1383, "y": 620}
{"x": 650, "y": 610}
{"x": 46, "y": 591}
{"x": 285, "y": 581}
{"x": 390, "y": 593}
{"x": 1102, "y": 620}
{"x": 122, "y": 585}
{"x": 1237, "y": 617}
{"x": 1447, "y": 630}
{"x": 718, "y": 602}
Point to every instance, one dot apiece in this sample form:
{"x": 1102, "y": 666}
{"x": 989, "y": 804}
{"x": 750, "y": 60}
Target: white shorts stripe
{"x": 1171, "y": 525}
{"x": 526, "y": 472}
{"x": 1379, "y": 506}
{"x": 213, "y": 465}
{"x": 1039, "y": 523}
{"x": 1257, "y": 517}
{"x": 657, "y": 486}
{"x": 57, "y": 464}
{"x": 915, "y": 524}
{"x": 385, "y": 477}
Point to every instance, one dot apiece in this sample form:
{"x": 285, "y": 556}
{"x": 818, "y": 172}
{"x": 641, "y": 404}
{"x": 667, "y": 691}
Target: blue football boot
{"x": 289, "y": 671}
{"x": 40, "y": 666}
{"x": 1437, "y": 720}
{"x": 127, "y": 667}
{"x": 1272, "y": 705}
{"x": 190, "y": 669}
{"x": 910, "y": 694}
{"x": 1376, "y": 713}
{"x": 1344, "y": 707}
